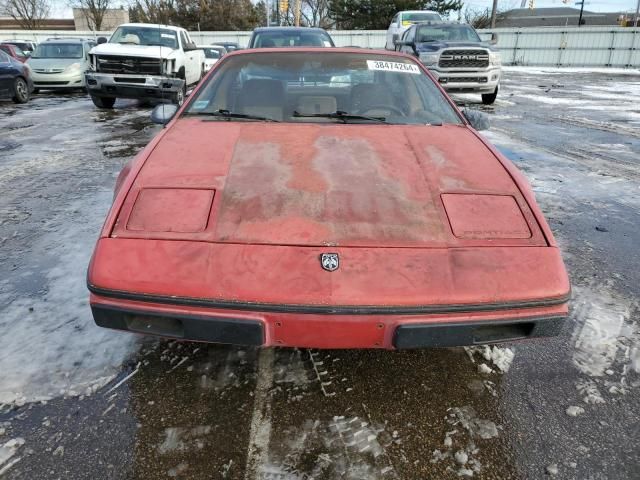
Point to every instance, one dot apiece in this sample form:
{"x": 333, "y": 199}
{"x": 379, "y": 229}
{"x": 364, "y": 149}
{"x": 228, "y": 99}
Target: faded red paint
{"x": 261, "y": 202}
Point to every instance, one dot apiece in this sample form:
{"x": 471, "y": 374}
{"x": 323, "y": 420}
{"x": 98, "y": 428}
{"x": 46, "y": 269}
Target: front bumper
{"x": 248, "y": 325}
{"x": 132, "y": 86}
{"x": 279, "y": 296}
{"x": 51, "y": 81}
{"x": 477, "y": 81}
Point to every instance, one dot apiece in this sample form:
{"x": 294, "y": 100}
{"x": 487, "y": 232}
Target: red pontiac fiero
{"x": 325, "y": 198}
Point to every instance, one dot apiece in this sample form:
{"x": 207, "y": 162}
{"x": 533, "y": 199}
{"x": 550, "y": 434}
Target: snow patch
{"x": 348, "y": 448}
{"x": 7, "y": 451}
{"x": 180, "y": 439}
{"x": 574, "y": 411}
{"x": 460, "y": 442}
{"x": 600, "y": 317}
{"x": 50, "y": 345}
{"x": 500, "y": 357}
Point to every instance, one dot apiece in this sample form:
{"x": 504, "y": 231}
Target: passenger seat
{"x": 366, "y": 95}
{"x": 262, "y": 97}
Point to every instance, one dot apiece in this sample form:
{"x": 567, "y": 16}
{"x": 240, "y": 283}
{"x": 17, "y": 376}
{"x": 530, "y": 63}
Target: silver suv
{"x": 60, "y": 63}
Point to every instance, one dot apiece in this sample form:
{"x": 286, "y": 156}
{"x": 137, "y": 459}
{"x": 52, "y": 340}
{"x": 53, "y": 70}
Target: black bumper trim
{"x": 326, "y": 309}
{"x": 485, "y": 332}
{"x": 188, "y": 327}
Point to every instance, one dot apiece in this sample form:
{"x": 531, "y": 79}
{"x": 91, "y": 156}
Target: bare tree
{"x": 485, "y": 17}
{"x": 316, "y": 13}
{"x": 93, "y": 11}
{"x": 29, "y": 14}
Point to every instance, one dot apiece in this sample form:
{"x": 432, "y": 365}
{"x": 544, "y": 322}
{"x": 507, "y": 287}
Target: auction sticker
{"x": 392, "y": 66}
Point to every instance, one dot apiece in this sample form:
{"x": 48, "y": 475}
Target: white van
{"x": 403, "y": 20}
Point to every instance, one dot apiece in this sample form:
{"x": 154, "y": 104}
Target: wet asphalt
{"x": 196, "y": 411}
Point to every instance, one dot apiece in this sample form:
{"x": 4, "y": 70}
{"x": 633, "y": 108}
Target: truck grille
{"x": 464, "y": 59}
{"x": 135, "y": 65}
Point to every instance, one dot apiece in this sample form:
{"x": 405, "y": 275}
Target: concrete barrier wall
{"x": 548, "y": 46}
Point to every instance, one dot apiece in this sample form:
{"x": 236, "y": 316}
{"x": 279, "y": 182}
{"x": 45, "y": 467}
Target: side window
{"x": 410, "y": 34}
{"x": 394, "y": 20}
{"x": 183, "y": 39}
{"x": 4, "y": 58}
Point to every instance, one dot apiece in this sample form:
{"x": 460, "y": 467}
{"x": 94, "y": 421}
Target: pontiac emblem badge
{"x": 330, "y": 261}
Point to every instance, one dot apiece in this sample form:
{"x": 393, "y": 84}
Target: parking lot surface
{"x": 79, "y": 402}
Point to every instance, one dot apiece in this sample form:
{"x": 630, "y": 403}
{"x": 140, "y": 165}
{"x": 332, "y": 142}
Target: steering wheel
{"x": 383, "y": 106}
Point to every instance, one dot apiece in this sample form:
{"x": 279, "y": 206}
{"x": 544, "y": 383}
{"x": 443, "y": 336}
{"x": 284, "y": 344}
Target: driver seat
{"x": 366, "y": 95}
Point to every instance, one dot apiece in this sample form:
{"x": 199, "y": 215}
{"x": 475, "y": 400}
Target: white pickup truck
{"x": 145, "y": 62}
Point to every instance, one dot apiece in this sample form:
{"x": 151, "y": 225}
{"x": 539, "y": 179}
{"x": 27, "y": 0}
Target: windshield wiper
{"x": 228, "y": 114}
{"x": 340, "y": 115}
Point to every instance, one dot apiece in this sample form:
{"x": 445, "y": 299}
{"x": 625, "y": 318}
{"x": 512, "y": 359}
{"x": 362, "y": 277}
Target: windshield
{"x": 145, "y": 36}
{"x": 211, "y": 53}
{"x": 309, "y": 87}
{"x": 446, "y": 33}
{"x": 415, "y": 17}
{"x": 58, "y": 50}
{"x": 25, "y": 47}
{"x": 291, "y": 39}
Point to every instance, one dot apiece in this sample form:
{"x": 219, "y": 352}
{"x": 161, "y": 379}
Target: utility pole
{"x": 268, "y": 13}
{"x": 581, "y": 10}
{"x": 494, "y": 12}
{"x": 298, "y": 11}
{"x": 635, "y": 22}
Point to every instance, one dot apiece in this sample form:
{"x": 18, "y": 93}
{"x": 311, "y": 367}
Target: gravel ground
{"x": 79, "y": 402}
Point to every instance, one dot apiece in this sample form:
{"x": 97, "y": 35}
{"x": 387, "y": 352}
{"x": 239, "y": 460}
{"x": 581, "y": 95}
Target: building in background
{"x": 112, "y": 18}
{"x": 555, "y": 17}
{"x": 8, "y": 23}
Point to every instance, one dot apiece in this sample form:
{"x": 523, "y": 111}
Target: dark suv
{"x": 273, "y": 37}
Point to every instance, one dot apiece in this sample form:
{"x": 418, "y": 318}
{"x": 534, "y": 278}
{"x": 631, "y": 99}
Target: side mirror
{"x": 163, "y": 113}
{"x": 395, "y": 38}
{"x": 494, "y": 39}
{"x": 405, "y": 43}
{"x": 102, "y": 40}
{"x": 189, "y": 47}
{"x": 478, "y": 120}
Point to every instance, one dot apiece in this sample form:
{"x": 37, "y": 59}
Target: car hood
{"x": 54, "y": 63}
{"x": 322, "y": 184}
{"x": 437, "y": 46}
{"x": 153, "y": 51}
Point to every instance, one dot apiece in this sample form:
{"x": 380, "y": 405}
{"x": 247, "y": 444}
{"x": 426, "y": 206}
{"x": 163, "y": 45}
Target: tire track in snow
{"x": 258, "y": 445}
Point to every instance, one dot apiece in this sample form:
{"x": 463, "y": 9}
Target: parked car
{"x": 145, "y": 62}
{"x": 457, "y": 57}
{"x": 27, "y": 46}
{"x": 212, "y": 54}
{"x": 14, "y": 52}
{"x": 403, "y": 20}
{"x": 229, "y": 46}
{"x": 364, "y": 212}
{"x": 15, "y": 79}
{"x": 60, "y": 64}
{"x": 270, "y": 37}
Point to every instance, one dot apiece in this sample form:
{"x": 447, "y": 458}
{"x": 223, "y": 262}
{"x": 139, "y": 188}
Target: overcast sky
{"x": 61, "y": 10}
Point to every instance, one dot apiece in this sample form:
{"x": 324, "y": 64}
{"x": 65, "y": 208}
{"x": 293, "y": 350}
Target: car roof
{"x": 68, "y": 40}
{"x": 418, "y": 11}
{"x": 151, "y": 25}
{"x": 320, "y": 51}
{"x": 289, "y": 29}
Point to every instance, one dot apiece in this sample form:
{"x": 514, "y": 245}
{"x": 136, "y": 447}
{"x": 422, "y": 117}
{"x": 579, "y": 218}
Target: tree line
{"x": 211, "y": 15}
